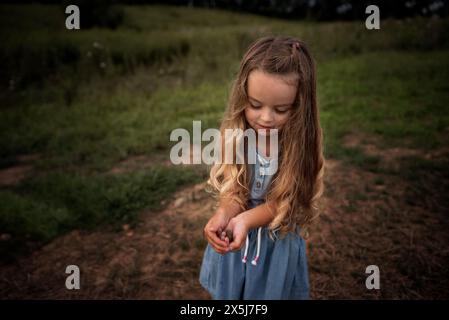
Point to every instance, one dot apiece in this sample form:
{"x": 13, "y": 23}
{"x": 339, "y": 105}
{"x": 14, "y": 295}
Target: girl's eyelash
{"x": 257, "y": 107}
{"x": 278, "y": 111}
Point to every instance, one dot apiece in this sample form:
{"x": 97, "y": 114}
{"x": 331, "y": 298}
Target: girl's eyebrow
{"x": 278, "y": 105}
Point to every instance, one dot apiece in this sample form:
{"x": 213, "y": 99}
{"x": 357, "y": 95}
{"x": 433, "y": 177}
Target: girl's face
{"x": 271, "y": 100}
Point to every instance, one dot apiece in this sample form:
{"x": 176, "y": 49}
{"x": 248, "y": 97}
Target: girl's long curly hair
{"x": 298, "y": 183}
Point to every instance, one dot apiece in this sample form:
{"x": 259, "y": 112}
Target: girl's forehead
{"x": 271, "y": 89}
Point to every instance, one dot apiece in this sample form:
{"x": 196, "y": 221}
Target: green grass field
{"x": 83, "y": 101}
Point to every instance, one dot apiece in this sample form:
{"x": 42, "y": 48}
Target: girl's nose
{"x": 267, "y": 116}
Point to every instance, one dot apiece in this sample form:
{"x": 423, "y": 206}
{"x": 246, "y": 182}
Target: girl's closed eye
{"x": 282, "y": 110}
{"x": 277, "y": 110}
{"x": 254, "y": 106}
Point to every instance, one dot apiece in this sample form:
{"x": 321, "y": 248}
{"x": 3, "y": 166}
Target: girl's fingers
{"x": 215, "y": 241}
{"x": 216, "y": 237}
{"x": 236, "y": 244}
{"x": 219, "y": 249}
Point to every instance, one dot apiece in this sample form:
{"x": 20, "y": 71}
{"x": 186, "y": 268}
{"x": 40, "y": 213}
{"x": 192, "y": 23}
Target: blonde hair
{"x": 297, "y": 186}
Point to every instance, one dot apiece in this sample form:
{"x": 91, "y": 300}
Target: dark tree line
{"x": 321, "y": 10}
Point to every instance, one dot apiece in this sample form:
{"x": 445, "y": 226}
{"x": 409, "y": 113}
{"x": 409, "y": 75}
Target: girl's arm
{"x": 258, "y": 216}
{"x": 230, "y": 208}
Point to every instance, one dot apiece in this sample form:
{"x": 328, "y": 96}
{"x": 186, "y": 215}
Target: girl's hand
{"x": 239, "y": 229}
{"x": 213, "y": 232}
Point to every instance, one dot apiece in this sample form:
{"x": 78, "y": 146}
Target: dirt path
{"x": 367, "y": 219}
{"x": 156, "y": 260}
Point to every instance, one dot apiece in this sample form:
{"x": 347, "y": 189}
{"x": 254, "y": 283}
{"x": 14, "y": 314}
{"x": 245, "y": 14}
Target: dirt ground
{"x": 366, "y": 219}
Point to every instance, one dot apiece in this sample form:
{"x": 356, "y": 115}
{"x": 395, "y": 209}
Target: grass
{"x": 85, "y": 100}
{"x": 397, "y": 97}
{"x": 44, "y": 207}
{"x": 97, "y": 132}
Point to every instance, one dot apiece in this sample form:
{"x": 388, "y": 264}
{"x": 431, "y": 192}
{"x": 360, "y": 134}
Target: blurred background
{"x": 85, "y": 175}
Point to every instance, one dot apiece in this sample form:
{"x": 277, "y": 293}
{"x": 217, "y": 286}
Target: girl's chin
{"x": 265, "y": 132}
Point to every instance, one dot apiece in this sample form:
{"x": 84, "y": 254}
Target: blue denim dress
{"x": 263, "y": 269}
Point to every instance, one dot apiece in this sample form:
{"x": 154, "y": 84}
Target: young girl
{"x": 256, "y": 248}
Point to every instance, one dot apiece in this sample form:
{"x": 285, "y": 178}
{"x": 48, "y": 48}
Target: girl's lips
{"x": 263, "y": 127}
